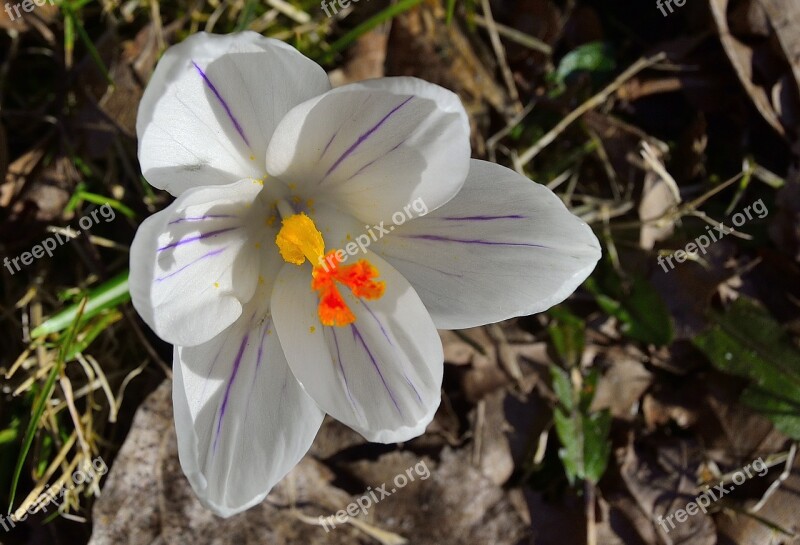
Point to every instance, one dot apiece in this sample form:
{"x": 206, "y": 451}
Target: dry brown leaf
{"x": 664, "y": 483}
{"x": 623, "y": 384}
{"x": 741, "y": 57}
{"x": 147, "y": 501}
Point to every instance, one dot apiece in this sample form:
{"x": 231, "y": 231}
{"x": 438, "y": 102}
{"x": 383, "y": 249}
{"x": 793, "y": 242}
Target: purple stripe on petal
{"x": 259, "y": 357}
{"x": 357, "y": 335}
{"x": 211, "y": 370}
{"x": 380, "y": 325}
{"x": 202, "y": 257}
{"x": 201, "y": 236}
{"x": 414, "y": 388}
{"x": 341, "y": 370}
{"x": 232, "y": 378}
{"x": 437, "y": 238}
{"x": 484, "y": 218}
{"x": 202, "y": 218}
{"x": 328, "y": 145}
{"x": 429, "y": 267}
{"x": 362, "y": 169}
{"x": 223, "y": 103}
{"x": 364, "y": 137}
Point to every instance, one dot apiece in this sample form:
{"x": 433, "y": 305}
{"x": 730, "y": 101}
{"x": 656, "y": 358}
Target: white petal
{"x": 381, "y": 375}
{"x": 212, "y": 106}
{"x": 242, "y": 419}
{"x": 371, "y": 148}
{"x": 194, "y": 265}
{"x": 503, "y": 247}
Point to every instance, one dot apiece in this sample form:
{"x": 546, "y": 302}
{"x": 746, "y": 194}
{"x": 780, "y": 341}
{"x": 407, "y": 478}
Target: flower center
{"x": 298, "y": 240}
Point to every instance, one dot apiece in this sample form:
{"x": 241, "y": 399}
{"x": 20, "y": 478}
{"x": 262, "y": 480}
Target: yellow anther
{"x": 299, "y": 240}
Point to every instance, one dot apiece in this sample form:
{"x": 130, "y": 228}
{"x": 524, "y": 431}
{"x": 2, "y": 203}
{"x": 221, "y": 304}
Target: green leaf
{"x": 597, "y": 447}
{"x": 584, "y": 435}
{"x": 108, "y": 295}
{"x": 591, "y": 57}
{"x": 642, "y": 313}
{"x": 562, "y": 386}
{"x": 784, "y": 413}
{"x": 572, "y": 452}
{"x": 567, "y": 332}
{"x": 8, "y": 435}
{"x": 41, "y": 401}
{"x": 585, "y": 443}
{"x": 747, "y": 342}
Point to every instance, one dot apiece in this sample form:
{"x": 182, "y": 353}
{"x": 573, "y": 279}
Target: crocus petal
{"x": 371, "y": 148}
{"x": 503, "y": 247}
{"x": 212, "y": 106}
{"x": 193, "y": 266}
{"x": 380, "y": 375}
{"x": 242, "y": 419}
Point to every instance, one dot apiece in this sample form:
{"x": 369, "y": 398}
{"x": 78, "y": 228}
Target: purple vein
{"x": 417, "y": 264}
{"x": 201, "y": 236}
{"x": 416, "y": 393}
{"x": 223, "y": 103}
{"x": 380, "y": 325}
{"x": 259, "y": 357}
{"x": 364, "y": 137}
{"x": 362, "y": 169}
{"x": 202, "y": 257}
{"x": 485, "y": 218}
{"x": 224, "y": 405}
{"x": 328, "y": 145}
{"x": 202, "y": 218}
{"x": 357, "y": 335}
{"x": 437, "y": 238}
{"x": 341, "y": 370}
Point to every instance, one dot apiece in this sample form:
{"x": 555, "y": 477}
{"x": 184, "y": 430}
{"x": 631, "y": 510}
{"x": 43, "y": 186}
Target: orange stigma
{"x": 298, "y": 240}
{"x": 359, "y": 277}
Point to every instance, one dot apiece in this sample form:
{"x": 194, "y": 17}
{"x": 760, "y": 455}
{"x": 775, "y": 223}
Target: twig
{"x": 491, "y": 142}
{"x": 590, "y": 104}
{"x": 500, "y": 53}
{"x": 516, "y": 36}
{"x": 787, "y": 470}
{"x": 591, "y": 528}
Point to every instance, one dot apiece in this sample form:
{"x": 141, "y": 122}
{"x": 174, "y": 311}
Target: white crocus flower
{"x": 273, "y": 172}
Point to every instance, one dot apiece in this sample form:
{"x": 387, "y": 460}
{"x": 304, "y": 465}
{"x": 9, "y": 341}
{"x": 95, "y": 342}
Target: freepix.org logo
{"x": 51, "y": 243}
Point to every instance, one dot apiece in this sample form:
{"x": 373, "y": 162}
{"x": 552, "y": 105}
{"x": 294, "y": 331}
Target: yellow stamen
{"x": 299, "y": 240}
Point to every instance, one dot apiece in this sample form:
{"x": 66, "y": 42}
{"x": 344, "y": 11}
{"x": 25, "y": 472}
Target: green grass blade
{"x": 108, "y": 295}
{"x": 100, "y": 200}
{"x": 451, "y": 9}
{"x": 39, "y": 404}
{"x": 366, "y": 26}
{"x": 69, "y": 14}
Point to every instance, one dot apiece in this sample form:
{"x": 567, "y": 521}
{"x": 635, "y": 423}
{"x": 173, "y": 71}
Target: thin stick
{"x": 516, "y": 36}
{"x": 787, "y": 470}
{"x": 590, "y": 104}
{"x": 591, "y": 529}
{"x": 500, "y": 53}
